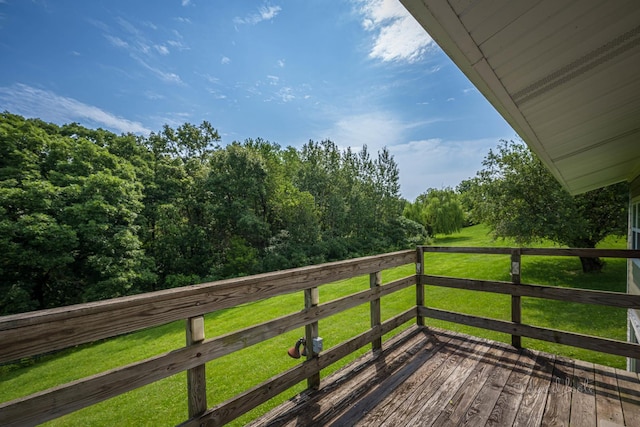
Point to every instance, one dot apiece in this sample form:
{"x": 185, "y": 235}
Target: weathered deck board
{"x": 431, "y": 377}
{"x": 558, "y": 406}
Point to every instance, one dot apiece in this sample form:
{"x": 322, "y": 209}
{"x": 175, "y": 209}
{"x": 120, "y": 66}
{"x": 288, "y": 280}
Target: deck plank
{"x": 629, "y": 396}
{"x": 431, "y": 377}
{"x": 377, "y": 392}
{"x": 339, "y": 390}
{"x": 434, "y": 371}
{"x": 481, "y": 408}
{"x": 460, "y": 403}
{"x": 558, "y": 406}
{"x": 583, "y": 397}
{"x": 431, "y": 409}
{"x": 608, "y": 406}
{"x": 505, "y": 410}
{"x": 534, "y": 399}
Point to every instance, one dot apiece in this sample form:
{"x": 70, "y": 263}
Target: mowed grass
{"x": 164, "y": 402}
{"x": 586, "y": 319}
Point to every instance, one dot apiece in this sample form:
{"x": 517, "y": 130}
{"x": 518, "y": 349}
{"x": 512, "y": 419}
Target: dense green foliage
{"x": 519, "y": 198}
{"x": 440, "y": 211}
{"x": 88, "y": 214}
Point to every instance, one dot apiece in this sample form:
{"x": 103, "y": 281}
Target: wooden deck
{"x": 431, "y": 377}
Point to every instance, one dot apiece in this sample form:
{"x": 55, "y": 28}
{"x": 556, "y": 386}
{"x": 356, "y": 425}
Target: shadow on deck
{"x": 428, "y": 376}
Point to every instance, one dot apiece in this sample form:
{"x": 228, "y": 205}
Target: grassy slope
{"x": 165, "y": 401}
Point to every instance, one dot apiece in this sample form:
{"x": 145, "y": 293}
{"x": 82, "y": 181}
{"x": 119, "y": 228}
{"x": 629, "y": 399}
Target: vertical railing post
{"x": 516, "y": 307}
{"x": 375, "y": 280}
{"x": 196, "y": 377}
{"x": 311, "y": 299}
{"x": 419, "y": 285}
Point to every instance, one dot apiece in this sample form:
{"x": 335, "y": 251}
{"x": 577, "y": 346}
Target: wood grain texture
{"x": 558, "y": 406}
{"x": 608, "y": 406}
{"x": 583, "y": 398}
{"x": 238, "y": 405}
{"x": 585, "y": 296}
{"x": 30, "y": 334}
{"x": 76, "y": 395}
{"x": 604, "y": 345}
{"x": 629, "y": 397}
{"x": 443, "y": 378}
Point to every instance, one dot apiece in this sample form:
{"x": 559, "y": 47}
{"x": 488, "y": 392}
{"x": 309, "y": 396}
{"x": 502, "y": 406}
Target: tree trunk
{"x": 591, "y": 265}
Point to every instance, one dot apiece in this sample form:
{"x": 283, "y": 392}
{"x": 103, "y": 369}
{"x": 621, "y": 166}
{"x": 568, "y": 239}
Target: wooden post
{"x": 196, "y": 377}
{"x": 516, "y": 307}
{"x": 375, "y": 280}
{"x": 419, "y": 285}
{"x": 311, "y": 299}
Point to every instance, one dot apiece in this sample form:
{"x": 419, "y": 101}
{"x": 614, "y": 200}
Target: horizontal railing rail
{"x": 31, "y": 334}
{"x": 579, "y": 252}
{"x": 516, "y": 289}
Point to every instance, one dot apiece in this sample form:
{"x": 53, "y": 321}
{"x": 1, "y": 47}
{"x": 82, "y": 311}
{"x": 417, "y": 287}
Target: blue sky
{"x": 353, "y": 71}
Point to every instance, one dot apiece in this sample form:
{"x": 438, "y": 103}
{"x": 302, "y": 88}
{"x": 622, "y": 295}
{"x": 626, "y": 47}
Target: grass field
{"x": 164, "y": 402}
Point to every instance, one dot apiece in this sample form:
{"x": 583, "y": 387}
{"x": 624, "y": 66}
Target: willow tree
{"x": 440, "y": 211}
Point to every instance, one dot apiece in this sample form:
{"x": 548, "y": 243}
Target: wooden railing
{"x": 31, "y": 334}
{"x": 516, "y": 289}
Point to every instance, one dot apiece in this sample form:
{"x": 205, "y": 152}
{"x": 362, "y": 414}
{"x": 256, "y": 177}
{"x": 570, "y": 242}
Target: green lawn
{"x": 555, "y": 271}
{"x": 164, "y": 402}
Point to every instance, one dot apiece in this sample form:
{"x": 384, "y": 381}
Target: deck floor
{"x": 432, "y": 377}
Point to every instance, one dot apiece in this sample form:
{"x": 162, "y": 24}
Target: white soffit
{"x": 565, "y": 74}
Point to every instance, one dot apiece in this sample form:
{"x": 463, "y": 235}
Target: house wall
{"x": 633, "y": 268}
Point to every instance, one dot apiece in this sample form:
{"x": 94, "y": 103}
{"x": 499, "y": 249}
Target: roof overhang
{"x": 564, "y": 74}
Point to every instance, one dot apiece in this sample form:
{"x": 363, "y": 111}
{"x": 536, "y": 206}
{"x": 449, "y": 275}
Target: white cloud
{"x": 141, "y": 49}
{"x": 46, "y": 105}
{"x": 273, "y": 80}
{"x": 150, "y": 25}
{"x": 265, "y": 13}
{"x": 437, "y": 163}
{"x": 375, "y": 130}
{"x": 153, "y": 95}
{"x": 398, "y": 37}
{"x": 162, "y": 75}
{"x": 281, "y": 63}
{"x": 186, "y": 2}
{"x": 117, "y": 41}
{"x": 162, "y": 49}
{"x": 225, "y": 60}
{"x": 178, "y": 45}
{"x": 285, "y": 94}
{"x": 216, "y": 94}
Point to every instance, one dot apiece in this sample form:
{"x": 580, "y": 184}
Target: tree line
{"x": 87, "y": 214}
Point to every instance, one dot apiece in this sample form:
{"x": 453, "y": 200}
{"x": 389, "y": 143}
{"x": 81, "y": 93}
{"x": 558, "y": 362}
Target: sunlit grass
{"x": 164, "y": 402}
{"x": 553, "y": 271}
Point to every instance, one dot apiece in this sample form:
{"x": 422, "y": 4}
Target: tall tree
{"x": 67, "y": 222}
{"x": 519, "y": 198}
{"x": 439, "y": 211}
